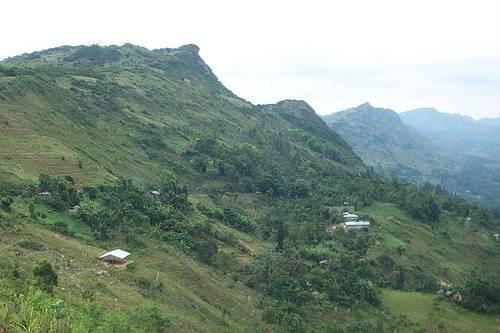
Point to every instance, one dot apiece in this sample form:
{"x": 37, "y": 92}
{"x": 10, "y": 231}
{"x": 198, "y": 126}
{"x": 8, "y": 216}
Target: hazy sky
{"x": 333, "y": 54}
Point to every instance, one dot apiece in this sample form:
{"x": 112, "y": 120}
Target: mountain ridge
{"x": 426, "y": 145}
{"x": 379, "y": 136}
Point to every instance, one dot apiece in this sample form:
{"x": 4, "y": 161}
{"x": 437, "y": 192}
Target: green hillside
{"x": 234, "y": 240}
{"x": 414, "y": 312}
{"x": 122, "y": 111}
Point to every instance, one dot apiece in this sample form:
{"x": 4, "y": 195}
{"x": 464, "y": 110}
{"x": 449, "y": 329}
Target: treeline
{"x": 251, "y": 168}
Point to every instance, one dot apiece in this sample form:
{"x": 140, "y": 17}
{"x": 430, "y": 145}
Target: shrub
{"x": 206, "y": 250}
{"x": 150, "y": 318}
{"x": 31, "y": 245}
{"x": 236, "y": 220}
{"x": 46, "y": 276}
{"x": 6, "y": 203}
{"x": 63, "y": 228}
{"x": 481, "y": 295}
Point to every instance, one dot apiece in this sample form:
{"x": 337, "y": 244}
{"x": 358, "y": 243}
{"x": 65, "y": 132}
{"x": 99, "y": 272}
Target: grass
{"x": 450, "y": 250}
{"x": 197, "y": 297}
{"x": 417, "y": 312}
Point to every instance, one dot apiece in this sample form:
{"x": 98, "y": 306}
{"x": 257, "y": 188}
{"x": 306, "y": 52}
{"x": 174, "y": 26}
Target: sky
{"x": 400, "y": 54}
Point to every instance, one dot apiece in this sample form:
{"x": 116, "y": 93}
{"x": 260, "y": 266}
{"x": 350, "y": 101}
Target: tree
{"x": 299, "y": 189}
{"x": 280, "y": 235}
{"x": 431, "y": 209}
{"x": 400, "y": 280}
{"x": 46, "y": 276}
{"x": 211, "y": 170}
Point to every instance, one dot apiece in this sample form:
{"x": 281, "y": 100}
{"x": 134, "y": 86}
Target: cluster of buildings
{"x": 352, "y": 222}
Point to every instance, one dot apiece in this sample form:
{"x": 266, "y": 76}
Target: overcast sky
{"x": 334, "y": 54}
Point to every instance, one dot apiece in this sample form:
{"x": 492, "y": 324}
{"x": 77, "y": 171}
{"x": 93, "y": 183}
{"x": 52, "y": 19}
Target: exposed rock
{"x": 102, "y": 273}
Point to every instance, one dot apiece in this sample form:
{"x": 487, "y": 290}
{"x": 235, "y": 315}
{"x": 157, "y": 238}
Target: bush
{"x": 63, "y": 228}
{"x": 236, "y": 220}
{"x": 6, "y": 203}
{"x": 481, "y": 295}
{"x": 31, "y": 245}
{"x": 206, "y": 250}
{"x": 150, "y": 318}
{"x": 46, "y": 276}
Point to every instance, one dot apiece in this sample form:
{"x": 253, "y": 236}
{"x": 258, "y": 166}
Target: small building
{"x": 354, "y": 225}
{"x": 495, "y": 236}
{"x": 74, "y": 210}
{"x": 350, "y": 217}
{"x": 342, "y": 208}
{"x": 323, "y": 262}
{"x": 154, "y": 195}
{"x": 45, "y": 195}
{"x": 115, "y": 257}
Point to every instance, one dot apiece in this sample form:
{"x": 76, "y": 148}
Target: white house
{"x": 342, "y": 208}
{"x": 153, "y": 195}
{"x": 115, "y": 257}
{"x": 353, "y": 225}
{"x": 350, "y": 217}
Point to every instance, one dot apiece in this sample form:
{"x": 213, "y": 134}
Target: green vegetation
{"x": 417, "y": 312}
{"x": 46, "y": 277}
{"x": 235, "y": 237}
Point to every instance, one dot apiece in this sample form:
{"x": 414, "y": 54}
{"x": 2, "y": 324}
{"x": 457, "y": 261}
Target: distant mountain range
{"x": 462, "y": 135}
{"x": 424, "y": 144}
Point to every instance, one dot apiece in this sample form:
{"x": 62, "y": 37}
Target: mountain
{"x": 383, "y": 141}
{"x": 461, "y": 134}
{"x": 426, "y": 145}
{"x": 476, "y": 145}
{"x": 490, "y": 122}
{"x": 240, "y": 233}
{"x": 121, "y": 111}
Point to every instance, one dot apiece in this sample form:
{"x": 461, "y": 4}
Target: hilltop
{"x": 383, "y": 141}
{"x": 121, "y": 111}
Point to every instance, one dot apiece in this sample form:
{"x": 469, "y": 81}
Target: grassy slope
{"x": 449, "y": 250}
{"x": 129, "y": 117}
{"x": 417, "y": 312}
{"x": 197, "y": 298}
{"x": 449, "y": 258}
